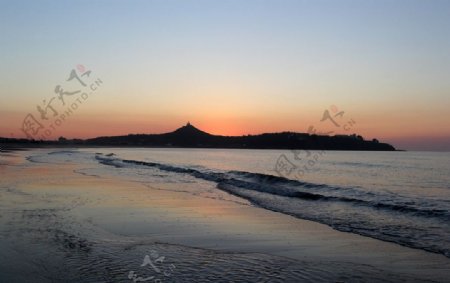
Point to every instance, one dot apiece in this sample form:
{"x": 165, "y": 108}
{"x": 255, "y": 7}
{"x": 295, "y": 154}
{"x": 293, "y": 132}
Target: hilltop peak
{"x": 189, "y": 125}
{"x": 189, "y": 129}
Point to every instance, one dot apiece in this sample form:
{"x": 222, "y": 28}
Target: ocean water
{"x": 400, "y": 197}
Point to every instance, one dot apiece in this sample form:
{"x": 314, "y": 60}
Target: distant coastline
{"x": 189, "y": 136}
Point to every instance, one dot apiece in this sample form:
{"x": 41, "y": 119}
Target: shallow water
{"x": 402, "y": 197}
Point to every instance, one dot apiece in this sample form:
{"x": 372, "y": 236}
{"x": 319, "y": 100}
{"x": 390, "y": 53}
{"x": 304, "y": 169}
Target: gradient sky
{"x": 233, "y": 67}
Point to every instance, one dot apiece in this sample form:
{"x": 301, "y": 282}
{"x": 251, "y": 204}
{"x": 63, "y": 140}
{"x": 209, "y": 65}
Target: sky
{"x": 379, "y": 68}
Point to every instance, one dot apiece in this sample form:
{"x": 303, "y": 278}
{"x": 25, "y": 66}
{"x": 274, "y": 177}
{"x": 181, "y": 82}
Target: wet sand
{"x": 58, "y": 223}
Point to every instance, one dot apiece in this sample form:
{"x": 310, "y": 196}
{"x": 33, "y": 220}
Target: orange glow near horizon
{"x": 84, "y": 127}
{"x": 420, "y": 134}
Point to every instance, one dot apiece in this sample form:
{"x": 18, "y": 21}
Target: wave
{"x": 280, "y": 186}
{"x": 408, "y": 221}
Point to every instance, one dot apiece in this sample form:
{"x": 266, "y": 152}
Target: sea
{"x": 401, "y": 197}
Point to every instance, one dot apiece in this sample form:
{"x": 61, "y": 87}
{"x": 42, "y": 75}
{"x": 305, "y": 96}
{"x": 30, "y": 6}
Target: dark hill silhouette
{"x": 190, "y": 136}
{"x": 189, "y": 131}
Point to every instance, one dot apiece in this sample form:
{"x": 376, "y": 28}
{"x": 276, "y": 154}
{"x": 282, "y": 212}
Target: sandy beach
{"x": 63, "y": 224}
